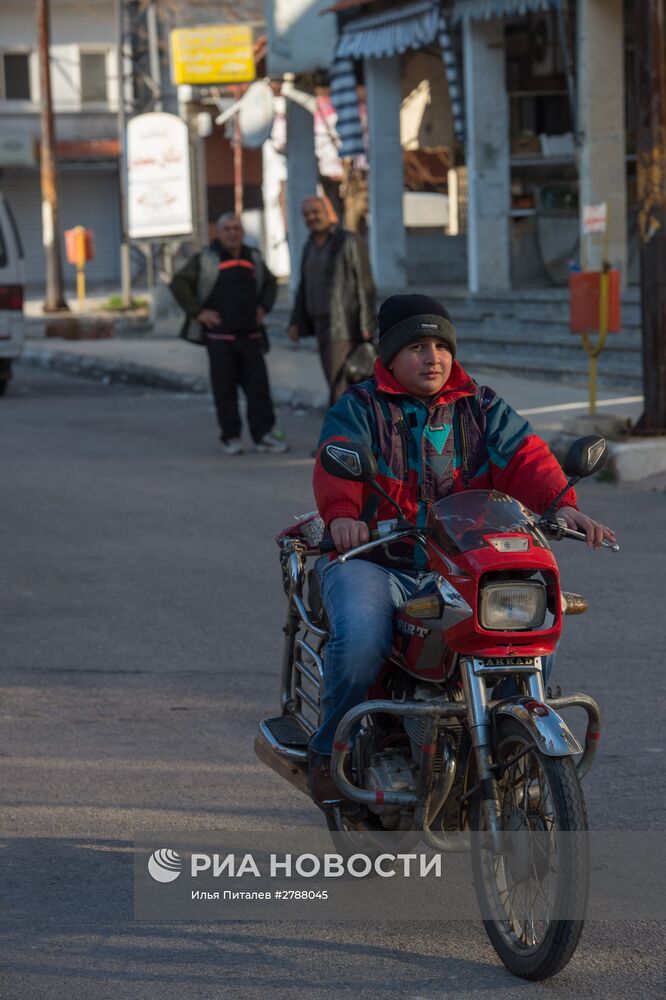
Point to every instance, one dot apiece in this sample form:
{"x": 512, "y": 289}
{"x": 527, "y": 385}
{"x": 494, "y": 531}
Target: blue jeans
{"x": 360, "y": 598}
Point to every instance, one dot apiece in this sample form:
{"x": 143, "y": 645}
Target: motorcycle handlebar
{"x": 328, "y": 545}
{"x": 557, "y": 529}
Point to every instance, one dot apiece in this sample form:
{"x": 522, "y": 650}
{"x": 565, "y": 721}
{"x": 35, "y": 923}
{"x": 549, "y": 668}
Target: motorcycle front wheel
{"x": 533, "y": 882}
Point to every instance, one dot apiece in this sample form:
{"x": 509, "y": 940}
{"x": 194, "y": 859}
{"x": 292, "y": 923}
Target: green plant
{"x": 114, "y": 303}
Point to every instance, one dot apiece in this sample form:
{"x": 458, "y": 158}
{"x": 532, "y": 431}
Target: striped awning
{"x": 479, "y": 10}
{"x": 342, "y": 79}
{"x": 390, "y": 32}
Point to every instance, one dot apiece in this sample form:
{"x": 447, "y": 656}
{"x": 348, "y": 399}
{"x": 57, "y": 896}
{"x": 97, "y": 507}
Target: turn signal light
{"x": 424, "y": 607}
{"x": 573, "y": 604}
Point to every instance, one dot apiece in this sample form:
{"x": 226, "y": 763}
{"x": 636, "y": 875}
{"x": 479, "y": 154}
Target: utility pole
{"x": 54, "y": 299}
{"x": 125, "y": 270}
{"x": 238, "y": 159}
{"x": 650, "y": 27}
{"x": 154, "y": 54}
{"x": 156, "y": 80}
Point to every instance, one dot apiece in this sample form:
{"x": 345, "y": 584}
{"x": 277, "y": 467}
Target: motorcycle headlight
{"x": 512, "y": 605}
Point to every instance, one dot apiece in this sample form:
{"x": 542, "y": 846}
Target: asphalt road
{"x": 141, "y": 614}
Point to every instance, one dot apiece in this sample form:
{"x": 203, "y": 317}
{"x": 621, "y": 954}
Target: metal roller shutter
{"x": 87, "y": 198}
{"x": 21, "y": 189}
{"x": 90, "y": 199}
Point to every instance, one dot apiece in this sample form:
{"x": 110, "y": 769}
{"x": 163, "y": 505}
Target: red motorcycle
{"x": 459, "y": 733}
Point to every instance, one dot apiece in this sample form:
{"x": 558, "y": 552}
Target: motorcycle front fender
{"x": 548, "y": 729}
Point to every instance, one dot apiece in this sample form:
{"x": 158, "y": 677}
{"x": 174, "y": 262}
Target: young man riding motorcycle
{"x": 433, "y": 431}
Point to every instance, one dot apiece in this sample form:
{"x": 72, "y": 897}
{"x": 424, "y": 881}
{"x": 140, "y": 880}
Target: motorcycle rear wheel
{"x": 538, "y": 795}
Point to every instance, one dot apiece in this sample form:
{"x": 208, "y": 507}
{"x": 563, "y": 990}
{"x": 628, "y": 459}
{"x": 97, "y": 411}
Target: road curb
{"x": 112, "y": 370}
{"x": 637, "y": 459}
{"x": 127, "y": 372}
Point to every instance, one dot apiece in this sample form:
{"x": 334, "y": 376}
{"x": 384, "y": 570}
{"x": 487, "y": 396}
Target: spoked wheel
{"x": 533, "y": 883}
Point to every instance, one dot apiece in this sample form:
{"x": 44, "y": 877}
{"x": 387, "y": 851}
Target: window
{"x": 93, "y": 77}
{"x": 15, "y": 83}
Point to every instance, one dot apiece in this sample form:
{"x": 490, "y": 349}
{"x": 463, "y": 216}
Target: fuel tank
{"x": 421, "y": 651}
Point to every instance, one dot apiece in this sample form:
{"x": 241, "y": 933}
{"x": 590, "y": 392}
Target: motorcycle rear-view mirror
{"x": 586, "y": 456}
{"x": 349, "y": 460}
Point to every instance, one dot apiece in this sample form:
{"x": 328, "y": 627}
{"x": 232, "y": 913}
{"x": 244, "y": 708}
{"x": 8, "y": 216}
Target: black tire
{"x": 367, "y": 838}
{"x": 563, "y": 795}
{"x": 348, "y": 840}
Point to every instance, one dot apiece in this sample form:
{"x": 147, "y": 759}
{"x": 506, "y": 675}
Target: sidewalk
{"x": 171, "y": 363}
{"x": 162, "y": 360}
{"x": 144, "y": 350}
{"x": 525, "y": 330}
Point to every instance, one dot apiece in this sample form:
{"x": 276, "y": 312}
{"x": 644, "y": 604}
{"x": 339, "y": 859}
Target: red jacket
{"x": 467, "y": 437}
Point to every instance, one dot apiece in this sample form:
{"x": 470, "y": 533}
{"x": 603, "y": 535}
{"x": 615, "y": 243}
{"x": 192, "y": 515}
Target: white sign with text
{"x": 595, "y": 218}
{"x": 159, "y": 198}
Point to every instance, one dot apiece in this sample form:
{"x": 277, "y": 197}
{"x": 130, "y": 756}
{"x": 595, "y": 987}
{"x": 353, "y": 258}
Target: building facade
{"x": 85, "y": 97}
{"x": 84, "y": 80}
{"x": 528, "y": 103}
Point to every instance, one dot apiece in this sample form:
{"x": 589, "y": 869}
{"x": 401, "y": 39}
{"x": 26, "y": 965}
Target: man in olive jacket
{"x": 226, "y": 291}
{"x": 335, "y": 301}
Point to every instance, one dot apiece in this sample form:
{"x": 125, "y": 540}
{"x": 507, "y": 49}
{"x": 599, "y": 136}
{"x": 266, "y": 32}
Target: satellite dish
{"x": 256, "y": 115}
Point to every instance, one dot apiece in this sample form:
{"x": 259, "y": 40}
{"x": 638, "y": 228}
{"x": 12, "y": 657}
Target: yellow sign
{"x": 214, "y": 53}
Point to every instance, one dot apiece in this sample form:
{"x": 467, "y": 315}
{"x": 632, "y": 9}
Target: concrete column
{"x": 301, "y": 181}
{"x": 488, "y": 169}
{"x": 386, "y": 179}
{"x": 602, "y": 166}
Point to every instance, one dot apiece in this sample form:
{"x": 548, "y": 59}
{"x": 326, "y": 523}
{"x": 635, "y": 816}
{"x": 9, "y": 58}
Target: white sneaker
{"x": 272, "y": 442}
{"x": 232, "y": 447}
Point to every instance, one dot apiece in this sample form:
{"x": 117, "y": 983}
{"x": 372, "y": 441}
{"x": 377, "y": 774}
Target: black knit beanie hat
{"x": 404, "y": 319}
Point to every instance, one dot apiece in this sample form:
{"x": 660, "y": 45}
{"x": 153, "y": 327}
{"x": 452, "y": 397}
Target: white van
{"x": 11, "y": 293}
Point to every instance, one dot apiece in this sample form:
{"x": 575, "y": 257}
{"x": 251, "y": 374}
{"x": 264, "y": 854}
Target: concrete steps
{"x": 527, "y": 332}
{"x": 612, "y": 372}
{"x": 544, "y": 335}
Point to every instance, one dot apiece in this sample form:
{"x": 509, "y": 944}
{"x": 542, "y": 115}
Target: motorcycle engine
{"x": 389, "y": 771}
{"x": 416, "y": 731}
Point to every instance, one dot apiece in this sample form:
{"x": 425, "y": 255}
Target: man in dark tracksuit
{"x": 335, "y": 299}
{"x": 226, "y": 291}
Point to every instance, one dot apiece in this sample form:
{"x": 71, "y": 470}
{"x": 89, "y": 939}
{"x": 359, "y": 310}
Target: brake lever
{"x": 375, "y": 543}
{"x": 557, "y": 530}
